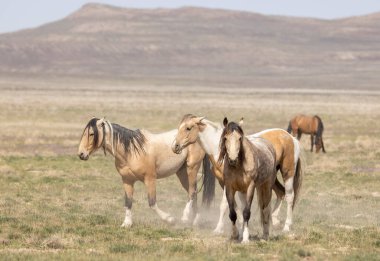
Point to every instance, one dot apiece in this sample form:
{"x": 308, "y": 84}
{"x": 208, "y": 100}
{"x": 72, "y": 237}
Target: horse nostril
{"x": 232, "y": 162}
{"x": 81, "y": 156}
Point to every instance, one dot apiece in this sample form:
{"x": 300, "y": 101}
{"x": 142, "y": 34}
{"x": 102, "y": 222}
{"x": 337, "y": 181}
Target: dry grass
{"x": 52, "y": 205}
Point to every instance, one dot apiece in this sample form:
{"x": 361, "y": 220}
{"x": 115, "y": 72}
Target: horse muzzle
{"x": 83, "y": 156}
{"x": 177, "y": 149}
{"x": 232, "y": 162}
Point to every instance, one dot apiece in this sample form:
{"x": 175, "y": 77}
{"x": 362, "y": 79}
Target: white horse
{"x": 207, "y": 133}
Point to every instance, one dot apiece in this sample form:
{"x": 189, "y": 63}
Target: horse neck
{"x": 209, "y": 140}
{"x": 249, "y": 150}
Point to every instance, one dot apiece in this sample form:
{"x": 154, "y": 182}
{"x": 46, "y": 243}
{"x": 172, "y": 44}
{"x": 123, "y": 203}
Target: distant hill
{"x": 201, "y": 46}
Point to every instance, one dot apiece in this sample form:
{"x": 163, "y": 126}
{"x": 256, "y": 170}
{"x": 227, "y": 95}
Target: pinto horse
{"x": 198, "y": 129}
{"x": 143, "y": 156}
{"x": 248, "y": 165}
{"x": 309, "y": 125}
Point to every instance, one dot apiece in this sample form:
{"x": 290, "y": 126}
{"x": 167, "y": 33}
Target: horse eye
{"x": 189, "y": 128}
{"x": 91, "y": 134}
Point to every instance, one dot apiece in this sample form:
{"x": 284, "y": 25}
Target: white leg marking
{"x": 222, "y": 211}
{"x": 289, "y": 196}
{"x": 276, "y": 211}
{"x": 196, "y": 220}
{"x": 128, "y": 218}
{"x": 163, "y": 215}
{"x": 245, "y": 234}
{"x": 187, "y": 211}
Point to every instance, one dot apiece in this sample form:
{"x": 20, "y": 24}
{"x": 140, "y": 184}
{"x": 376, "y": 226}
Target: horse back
{"x": 281, "y": 141}
{"x": 305, "y": 124}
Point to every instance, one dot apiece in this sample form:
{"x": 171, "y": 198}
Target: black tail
{"x": 319, "y": 130}
{"x": 208, "y": 182}
{"x": 290, "y": 127}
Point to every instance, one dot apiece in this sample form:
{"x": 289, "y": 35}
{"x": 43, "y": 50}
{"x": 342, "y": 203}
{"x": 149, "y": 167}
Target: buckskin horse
{"x": 143, "y": 156}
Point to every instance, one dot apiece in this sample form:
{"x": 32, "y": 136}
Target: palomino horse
{"x": 309, "y": 125}
{"x": 193, "y": 129}
{"x": 248, "y": 165}
{"x": 143, "y": 156}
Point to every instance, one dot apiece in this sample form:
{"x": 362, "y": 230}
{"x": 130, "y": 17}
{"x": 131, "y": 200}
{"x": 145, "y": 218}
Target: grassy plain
{"x": 54, "y": 206}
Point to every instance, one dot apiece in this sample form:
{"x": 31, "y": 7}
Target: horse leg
{"x": 323, "y": 146}
{"x": 150, "y": 183}
{"x": 312, "y": 142}
{"x": 242, "y": 201}
{"x": 230, "y": 194}
{"x": 265, "y": 196}
{"x": 247, "y": 211}
{"x": 222, "y": 211}
{"x": 192, "y": 171}
{"x": 289, "y": 196}
{"x": 184, "y": 179}
{"x": 128, "y": 188}
{"x": 277, "y": 206}
{"x": 299, "y": 134}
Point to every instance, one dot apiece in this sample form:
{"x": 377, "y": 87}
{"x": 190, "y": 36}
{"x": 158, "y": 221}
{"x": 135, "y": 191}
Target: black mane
{"x": 132, "y": 140}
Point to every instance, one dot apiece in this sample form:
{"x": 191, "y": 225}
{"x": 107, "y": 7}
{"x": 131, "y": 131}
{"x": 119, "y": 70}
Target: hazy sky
{"x": 19, "y": 14}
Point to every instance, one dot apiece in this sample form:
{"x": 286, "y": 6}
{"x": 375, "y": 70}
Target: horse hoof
{"x": 286, "y": 229}
{"x": 234, "y": 237}
{"x": 196, "y": 220}
{"x": 184, "y": 220}
{"x": 275, "y": 222}
{"x": 235, "y": 234}
{"x": 218, "y": 231}
{"x": 126, "y": 224}
{"x": 264, "y": 238}
{"x": 245, "y": 241}
{"x": 170, "y": 220}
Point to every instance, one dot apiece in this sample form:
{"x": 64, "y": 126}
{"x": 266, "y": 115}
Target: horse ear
{"x": 225, "y": 122}
{"x": 198, "y": 120}
{"x": 241, "y": 122}
{"x": 101, "y": 122}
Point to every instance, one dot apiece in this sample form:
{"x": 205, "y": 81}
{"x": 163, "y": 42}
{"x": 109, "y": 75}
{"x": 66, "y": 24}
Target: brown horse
{"x": 309, "y": 125}
{"x": 248, "y": 165}
{"x": 143, "y": 156}
{"x": 198, "y": 129}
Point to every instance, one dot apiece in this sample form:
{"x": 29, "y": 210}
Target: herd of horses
{"x": 241, "y": 163}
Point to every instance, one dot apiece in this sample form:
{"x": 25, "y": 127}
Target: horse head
{"x": 231, "y": 143}
{"x": 92, "y": 138}
{"x": 188, "y": 131}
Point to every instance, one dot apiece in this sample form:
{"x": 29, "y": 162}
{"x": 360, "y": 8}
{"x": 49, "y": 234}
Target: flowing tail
{"x": 290, "y": 127}
{"x": 208, "y": 182}
{"x": 297, "y": 182}
{"x": 320, "y": 129}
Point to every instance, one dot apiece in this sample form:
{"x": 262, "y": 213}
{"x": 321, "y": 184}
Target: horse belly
{"x": 170, "y": 165}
